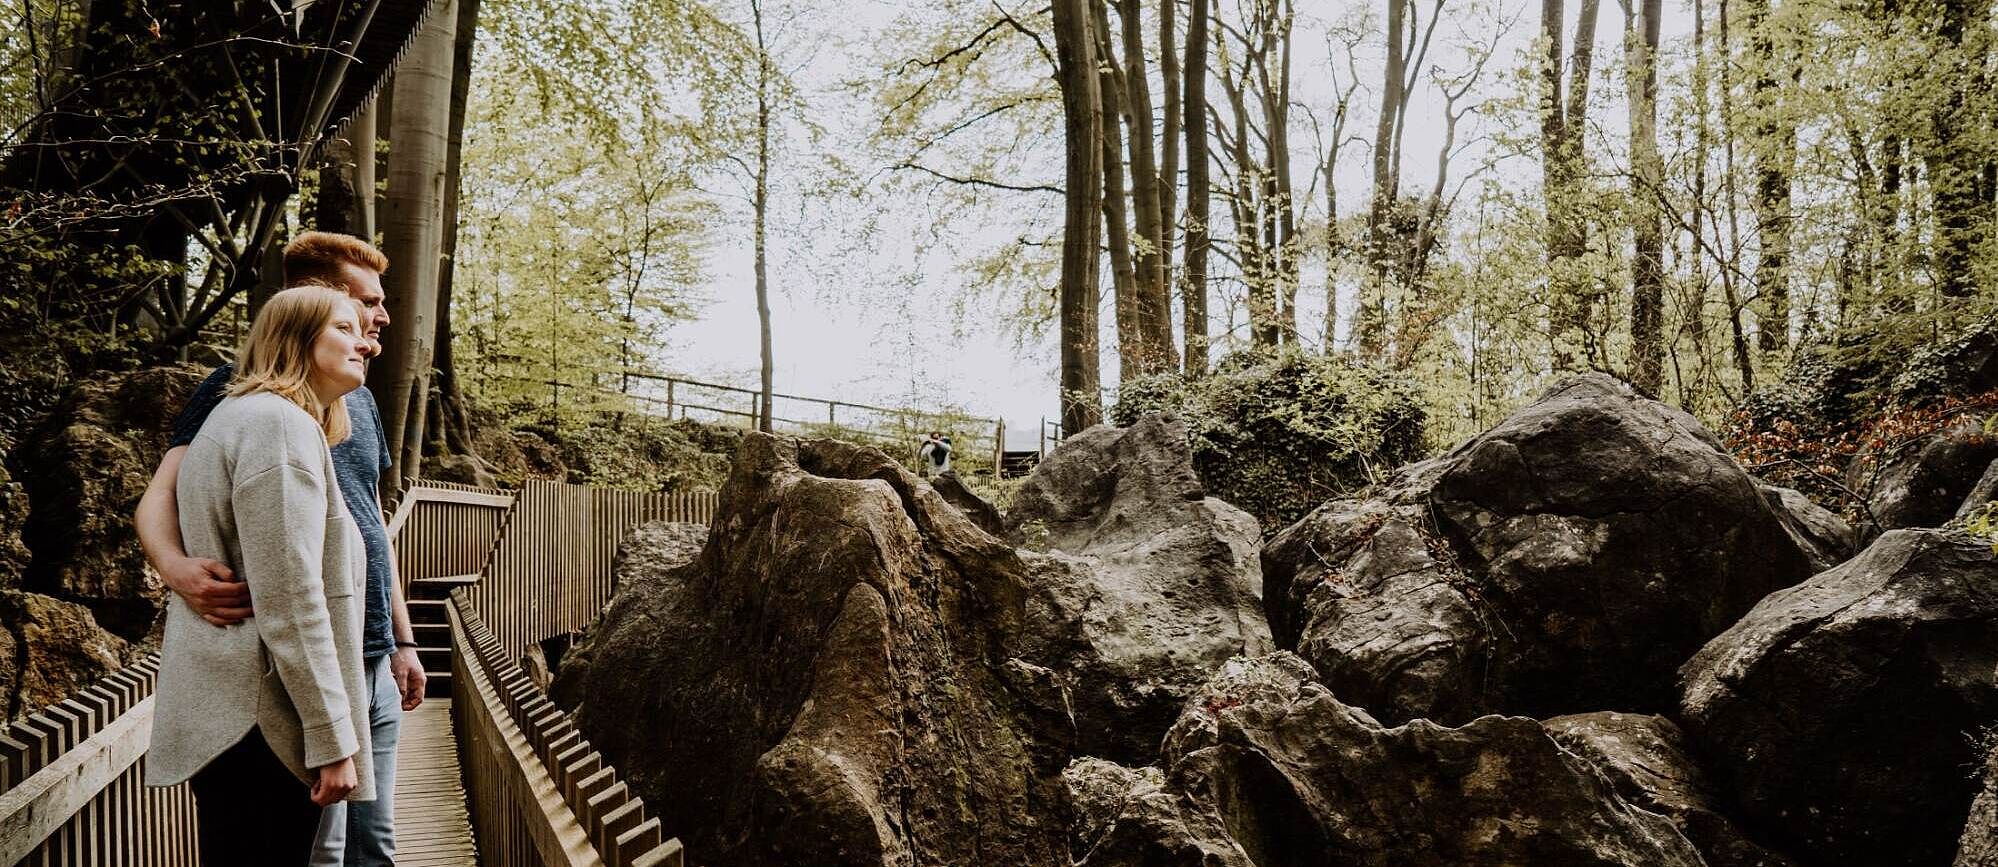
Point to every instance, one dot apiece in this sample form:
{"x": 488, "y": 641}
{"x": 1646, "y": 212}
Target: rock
{"x": 645, "y": 574}
{"x": 1839, "y": 711}
{"x": 1154, "y": 584}
{"x": 1568, "y": 560}
{"x": 49, "y": 650}
{"x": 459, "y": 469}
{"x": 1126, "y": 817}
{"x": 1926, "y": 484}
{"x": 1824, "y": 537}
{"x": 833, "y": 681}
{"x": 84, "y": 471}
{"x": 1646, "y": 760}
{"x": 1985, "y": 491}
{"x": 1292, "y": 777}
{"x": 982, "y": 513}
{"x": 14, "y": 555}
{"x": 1979, "y": 846}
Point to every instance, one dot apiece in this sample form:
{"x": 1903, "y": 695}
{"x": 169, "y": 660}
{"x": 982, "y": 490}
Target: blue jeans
{"x": 365, "y": 830}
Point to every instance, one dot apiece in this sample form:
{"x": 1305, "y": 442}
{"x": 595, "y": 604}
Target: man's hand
{"x": 407, "y": 670}
{"x": 210, "y": 588}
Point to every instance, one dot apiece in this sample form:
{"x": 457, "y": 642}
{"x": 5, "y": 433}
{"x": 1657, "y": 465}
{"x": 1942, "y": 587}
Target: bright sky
{"x": 854, "y": 346}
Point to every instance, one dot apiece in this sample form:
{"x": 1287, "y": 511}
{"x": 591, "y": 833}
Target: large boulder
{"x": 1568, "y": 560}
{"x": 1154, "y": 584}
{"x": 1824, "y": 537}
{"x": 1840, "y": 712}
{"x": 49, "y": 650}
{"x": 1647, "y": 761}
{"x": 1925, "y": 483}
{"x": 834, "y": 680}
{"x": 645, "y": 575}
{"x": 1979, "y": 846}
{"x": 84, "y": 471}
{"x": 1266, "y": 768}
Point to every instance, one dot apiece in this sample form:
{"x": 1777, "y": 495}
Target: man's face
{"x": 365, "y": 287}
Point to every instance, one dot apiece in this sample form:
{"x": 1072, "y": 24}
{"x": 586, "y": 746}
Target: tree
{"x": 1193, "y": 285}
{"x": 413, "y": 238}
{"x": 1081, "y": 96}
{"x": 1647, "y": 266}
{"x": 1563, "y": 172}
{"x": 760, "y": 203}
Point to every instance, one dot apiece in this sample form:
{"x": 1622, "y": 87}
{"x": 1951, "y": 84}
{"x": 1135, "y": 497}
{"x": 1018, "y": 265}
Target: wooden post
{"x": 999, "y": 449}
{"x": 669, "y": 398}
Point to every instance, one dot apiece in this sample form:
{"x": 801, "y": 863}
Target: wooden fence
{"x": 72, "y": 790}
{"x": 443, "y": 530}
{"x": 551, "y": 571}
{"x": 545, "y": 797}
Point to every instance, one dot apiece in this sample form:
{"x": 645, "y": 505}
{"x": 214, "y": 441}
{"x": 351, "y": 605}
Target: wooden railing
{"x": 544, "y": 796}
{"x": 442, "y": 529}
{"x": 551, "y": 571}
{"x": 72, "y": 786}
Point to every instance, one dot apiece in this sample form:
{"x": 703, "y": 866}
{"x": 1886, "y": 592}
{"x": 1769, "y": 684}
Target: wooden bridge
{"x": 489, "y": 771}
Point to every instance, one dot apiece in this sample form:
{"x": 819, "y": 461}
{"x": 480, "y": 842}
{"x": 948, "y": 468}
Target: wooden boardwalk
{"x": 432, "y": 827}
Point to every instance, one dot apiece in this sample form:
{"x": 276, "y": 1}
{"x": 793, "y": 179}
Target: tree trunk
{"x": 762, "y": 206}
{"x": 1154, "y": 293}
{"x": 1370, "y": 323}
{"x": 1169, "y": 143}
{"x": 1956, "y": 164}
{"x": 1774, "y": 148}
{"x": 1081, "y": 98}
{"x": 451, "y": 427}
{"x": 1280, "y": 206}
{"x": 1562, "y": 125}
{"x": 1193, "y": 288}
{"x": 1647, "y": 267}
{"x": 1128, "y": 297}
{"x": 412, "y": 224}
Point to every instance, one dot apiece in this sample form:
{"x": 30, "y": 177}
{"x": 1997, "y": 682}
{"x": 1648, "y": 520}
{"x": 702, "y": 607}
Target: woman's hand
{"x": 335, "y": 782}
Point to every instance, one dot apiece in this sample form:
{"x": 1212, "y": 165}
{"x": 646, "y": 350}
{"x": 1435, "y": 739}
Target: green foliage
{"x": 1983, "y": 524}
{"x": 1278, "y": 434}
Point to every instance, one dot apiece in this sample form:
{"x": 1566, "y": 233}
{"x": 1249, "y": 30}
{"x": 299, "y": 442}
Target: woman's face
{"x": 339, "y": 356}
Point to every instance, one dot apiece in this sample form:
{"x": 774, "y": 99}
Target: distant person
{"x": 267, "y": 720}
{"x": 934, "y": 456}
{"x": 363, "y": 835}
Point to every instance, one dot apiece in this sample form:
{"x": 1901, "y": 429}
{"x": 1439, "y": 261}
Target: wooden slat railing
{"x": 544, "y": 797}
{"x": 72, "y": 782}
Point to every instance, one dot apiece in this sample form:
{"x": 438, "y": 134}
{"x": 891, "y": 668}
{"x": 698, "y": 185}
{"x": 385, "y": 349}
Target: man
{"x": 361, "y": 833}
{"x": 934, "y": 456}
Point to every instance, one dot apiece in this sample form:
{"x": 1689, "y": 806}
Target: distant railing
{"x": 899, "y": 431}
{"x": 551, "y": 571}
{"x": 72, "y": 782}
{"x": 544, "y": 797}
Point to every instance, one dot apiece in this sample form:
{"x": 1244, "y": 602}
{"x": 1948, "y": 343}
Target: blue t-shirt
{"x": 358, "y": 464}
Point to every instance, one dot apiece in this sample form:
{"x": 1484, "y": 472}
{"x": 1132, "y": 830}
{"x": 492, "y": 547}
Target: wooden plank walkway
{"x": 432, "y": 828}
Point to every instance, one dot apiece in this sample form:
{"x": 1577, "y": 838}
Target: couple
{"x": 290, "y": 659}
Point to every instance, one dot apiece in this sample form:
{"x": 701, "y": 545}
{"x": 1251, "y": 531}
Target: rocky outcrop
{"x": 1566, "y": 561}
{"x": 646, "y": 574}
{"x": 84, "y": 472}
{"x": 1825, "y": 538}
{"x": 49, "y": 650}
{"x": 1926, "y": 484}
{"x": 982, "y": 513}
{"x": 1152, "y": 584}
{"x": 836, "y": 679}
{"x": 1838, "y": 712}
{"x": 1979, "y": 845}
{"x": 1646, "y": 761}
{"x": 1264, "y": 762}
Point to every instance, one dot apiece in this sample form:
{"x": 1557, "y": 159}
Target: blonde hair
{"x": 277, "y": 356}
{"x": 322, "y": 255}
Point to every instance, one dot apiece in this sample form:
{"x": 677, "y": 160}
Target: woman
{"x": 267, "y": 718}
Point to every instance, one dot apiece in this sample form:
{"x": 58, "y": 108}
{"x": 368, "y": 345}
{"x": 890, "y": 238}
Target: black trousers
{"x": 253, "y": 812}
